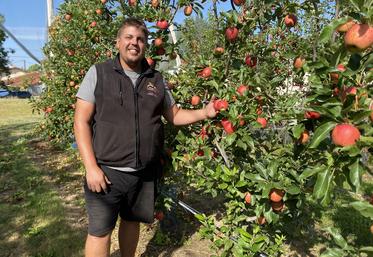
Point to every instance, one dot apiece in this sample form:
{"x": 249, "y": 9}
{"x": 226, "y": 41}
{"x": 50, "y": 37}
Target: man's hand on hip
{"x": 96, "y": 180}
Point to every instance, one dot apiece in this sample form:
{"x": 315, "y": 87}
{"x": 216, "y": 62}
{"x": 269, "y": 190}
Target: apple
{"x": 304, "y": 137}
{"x": 262, "y": 121}
{"x": 188, "y": 10}
{"x": 203, "y": 134}
{"x": 195, "y": 100}
{"x": 200, "y": 152}
{"x": 261, "y": 220}
{"x": 298, "y": 62}
{"x": 346, "y": 26}
{"x": 251, "y": 61}
{"x": 99, "y": 11}
{"x": 311, "y": 115}
{"x": 162, "y": 24}
{"x": 345, "y": 134}
{"x": 159, "y": 215}
{"x": 336, "y": 91}
{"x": 220, "y": 104}
{"x": 227, "y": 125}
{"x": 335, "y": 76}
{"x": 238, "y": 2}
{"x": 155, "y": 3}
{"x": 259, "y": 110}
{"x": 231, "y": 34}
{"x": 359, "y": 37}
{"x": 132, "y": 2}
{"x": 68, "y": 17}
{"x": 72, "y": 83}
{"x": 48, "y": 109}
{"x": 93, "y": 24}
{"x": 290, "y": 20}
{"x": 241, "y": 90}
{"x": 205, "y": 73}
{"x": 158, "y": 42}
{"x": 103, "y": 1}
{"x": 150, "y": 61}
{"x": 276, "y": 195}
{"x": 219, "y": 50}
{"x": 277, "y": 206}
{"x": 160, "y": 51}
{"x": 350, "y": 91}
{"x": 248, "y": 198}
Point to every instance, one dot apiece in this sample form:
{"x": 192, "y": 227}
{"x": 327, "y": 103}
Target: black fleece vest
{"x": 127, "y": 126}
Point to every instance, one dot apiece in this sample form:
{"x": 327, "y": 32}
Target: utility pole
{"x": 50, "y": 12}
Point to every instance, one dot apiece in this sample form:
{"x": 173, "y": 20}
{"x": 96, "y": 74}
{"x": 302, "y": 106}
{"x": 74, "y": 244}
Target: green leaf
{"x": 357, "y": 4}
{"x": 328, "y": 30}
{"x": 366, "y": 249}
{"x": 293, "y": 190}
{"x": 333, "y": 252}
{"x": 338, "y": 238}
{"x": 356, "y": 172}
{"x": 297, "y": 130}
{"x": 322, "y": 183}
{"x": 321, "y": 133}
{"x": 261, "y": 169}
{"x": 308, "y": 172}
{"x": 365, "y": 208}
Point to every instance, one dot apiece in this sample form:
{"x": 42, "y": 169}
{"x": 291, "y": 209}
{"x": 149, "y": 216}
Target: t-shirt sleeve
{"x": 87, "y": 88}
{"x": 169, "y": 100}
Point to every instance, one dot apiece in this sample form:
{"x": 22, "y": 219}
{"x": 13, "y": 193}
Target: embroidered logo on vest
{"x": 152, "y": 89}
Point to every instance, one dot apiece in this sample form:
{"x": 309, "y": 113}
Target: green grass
{"x": 33, "y": 218}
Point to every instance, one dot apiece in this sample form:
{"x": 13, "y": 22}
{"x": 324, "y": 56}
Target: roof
{"x": 21, "y": 79}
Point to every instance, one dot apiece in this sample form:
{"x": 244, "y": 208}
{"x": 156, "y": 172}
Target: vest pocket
{"x": 112, "y": 143}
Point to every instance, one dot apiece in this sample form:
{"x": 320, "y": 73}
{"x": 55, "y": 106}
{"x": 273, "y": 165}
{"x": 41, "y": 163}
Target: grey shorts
{"x": 130, "y": 194}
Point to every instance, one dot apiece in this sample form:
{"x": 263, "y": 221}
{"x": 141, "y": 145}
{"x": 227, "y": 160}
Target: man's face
{"x": 131, "y": 45}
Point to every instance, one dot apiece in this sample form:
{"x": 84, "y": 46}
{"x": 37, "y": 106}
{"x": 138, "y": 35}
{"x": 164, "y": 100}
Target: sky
{"x": 27, "y": 21}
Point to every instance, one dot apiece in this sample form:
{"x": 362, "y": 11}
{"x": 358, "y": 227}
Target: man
{"x": 119, "y": 134}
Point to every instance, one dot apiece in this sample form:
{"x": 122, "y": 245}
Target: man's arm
{"x": 178, "y": 116}
{"x": 96, "y": 179}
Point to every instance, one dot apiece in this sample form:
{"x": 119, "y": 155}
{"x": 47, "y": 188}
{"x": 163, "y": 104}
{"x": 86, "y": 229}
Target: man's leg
{"x": 128, "y": 233}
{"x": 97, "y": 246}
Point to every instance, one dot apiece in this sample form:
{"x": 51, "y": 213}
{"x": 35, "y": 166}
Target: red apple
{"x": 311, "y": 115}
{"x": 241, "y": 90}
{"x": 220, "y": 104}
{"x": 261, "y": 220}
{"x": 227, "y": 125}
{"x": 359, "y": 37}
{"x": 262, "y": 121}
{"x": 298, "y": 62}
{"x": 200, "y": 152}
{"x": 251, "y": 61}
{"x": 93, "y": 24}
{"x": 277, "y": 206}
{"x": 155, "y": 3}
{"x": 150, "y": 61}
{"x": 159, "y": 215}
{"x": 188, "y": 10}
{"x": 205, "y": 73}
{"x": 231, "y": 34}
{"x": 158, "y": 42}
{"x": 103, "y": 1}
{"x": 345, "y": 134}
{"x": 248, "y": 198}
{"x": 132, "y": 2}
{"x": 99, "y": 11}
{"x": 162, "y": 24}
{"x": 238, "y": 2}
{"x": 48, "y": 109}
{"x": 160, "y": 51}
{"x": 276, "y": 195}
{"x": 290, "y": 20}
{"x": 346, "y": 26}
{"x": 195, "y": 100}
{"x": 304, "y": 137}
{"x": 68, "y": 17}
{"x": 219, "y": 50}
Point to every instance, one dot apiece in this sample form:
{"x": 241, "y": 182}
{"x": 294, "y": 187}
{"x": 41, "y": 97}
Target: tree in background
{"x": 3, "y": 52}
{"x": 34, "y": 67}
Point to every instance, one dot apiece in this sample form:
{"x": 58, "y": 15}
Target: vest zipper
{"x": 135, "y": 95}
{"x": 120, "y": 93}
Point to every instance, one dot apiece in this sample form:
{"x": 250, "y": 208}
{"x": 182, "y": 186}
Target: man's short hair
{"x": 133, "y": 21}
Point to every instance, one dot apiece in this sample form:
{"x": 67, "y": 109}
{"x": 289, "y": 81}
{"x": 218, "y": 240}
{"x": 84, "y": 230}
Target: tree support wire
{"x": 19, "y": 43}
